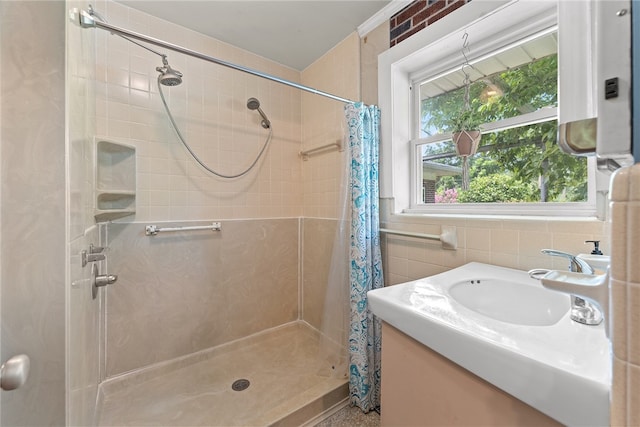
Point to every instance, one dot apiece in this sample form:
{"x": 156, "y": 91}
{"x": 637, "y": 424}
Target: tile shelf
{"x": 115, "y": 180}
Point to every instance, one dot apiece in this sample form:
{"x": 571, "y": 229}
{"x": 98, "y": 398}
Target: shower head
{"x": 254, "y": 104}
{"x": 168, "y": 76}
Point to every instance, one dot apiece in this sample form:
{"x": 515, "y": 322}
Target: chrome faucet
{"x": 581, "y": 311}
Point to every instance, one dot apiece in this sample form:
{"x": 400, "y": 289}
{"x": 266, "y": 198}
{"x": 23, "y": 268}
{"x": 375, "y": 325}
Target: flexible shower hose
{"x": 200, "y": 162}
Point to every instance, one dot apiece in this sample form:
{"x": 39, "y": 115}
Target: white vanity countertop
{"x": 563, "y": 369}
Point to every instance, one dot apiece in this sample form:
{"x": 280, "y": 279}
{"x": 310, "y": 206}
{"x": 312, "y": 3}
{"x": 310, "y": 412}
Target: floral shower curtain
{"x": 365, "y": 271}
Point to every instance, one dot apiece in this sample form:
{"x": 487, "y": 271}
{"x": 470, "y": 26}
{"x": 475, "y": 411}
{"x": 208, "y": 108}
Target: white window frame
{"x": 436, "y": 50}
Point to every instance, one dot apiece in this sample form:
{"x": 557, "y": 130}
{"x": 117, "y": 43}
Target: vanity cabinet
{"x": 422, "y": 388}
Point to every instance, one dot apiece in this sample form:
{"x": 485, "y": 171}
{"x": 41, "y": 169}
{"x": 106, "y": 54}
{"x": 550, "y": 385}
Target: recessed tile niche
{"x": 115, "y": 180}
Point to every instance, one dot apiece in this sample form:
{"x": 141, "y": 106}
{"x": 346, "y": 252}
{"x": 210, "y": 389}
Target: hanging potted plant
{"x": 464, "y": 126}
{"x": 466, "y": 133}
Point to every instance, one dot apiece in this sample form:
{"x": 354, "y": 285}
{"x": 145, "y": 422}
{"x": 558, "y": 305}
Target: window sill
{"x": 505, "y": 210}
{"x": 493, "y": 217}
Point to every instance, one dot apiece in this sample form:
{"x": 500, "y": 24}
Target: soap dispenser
{"x": 596, "y": 258}
{"x": 596, "y": 247}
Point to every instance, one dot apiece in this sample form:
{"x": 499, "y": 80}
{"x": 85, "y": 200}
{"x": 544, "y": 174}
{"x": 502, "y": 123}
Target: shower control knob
{"x": 101, "y": 280}
{"x": 105, "y": 279}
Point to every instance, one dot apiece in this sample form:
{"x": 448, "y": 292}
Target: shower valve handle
{"x": 100, "y": 280}
{"x": 105, "y": 279}
{"x": 94, "y": 254}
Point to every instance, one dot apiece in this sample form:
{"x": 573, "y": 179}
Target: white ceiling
{"x": 291, "y": 32}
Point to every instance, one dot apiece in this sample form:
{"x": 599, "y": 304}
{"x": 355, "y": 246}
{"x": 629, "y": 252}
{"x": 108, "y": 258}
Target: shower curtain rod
{"x": 85, "y": 20}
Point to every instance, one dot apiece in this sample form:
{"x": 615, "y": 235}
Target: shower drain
{"x": 239, "y": 385}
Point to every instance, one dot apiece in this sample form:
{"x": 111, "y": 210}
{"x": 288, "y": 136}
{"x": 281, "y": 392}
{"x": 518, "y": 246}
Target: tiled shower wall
{"x": 336, "y": 72}
{"x": 184, "y": 292}
{"x": 218, "y": 288}
{"x": 210, "y": 110}
{"x": 178, "y": 294}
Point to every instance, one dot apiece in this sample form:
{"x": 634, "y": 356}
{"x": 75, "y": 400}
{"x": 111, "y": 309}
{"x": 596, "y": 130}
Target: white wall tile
{"x": 210, "y": 109}
{"x": 478, "y": 239}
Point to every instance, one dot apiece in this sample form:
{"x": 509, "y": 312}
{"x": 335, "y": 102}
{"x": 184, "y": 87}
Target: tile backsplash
{"x": 507, "y": 242}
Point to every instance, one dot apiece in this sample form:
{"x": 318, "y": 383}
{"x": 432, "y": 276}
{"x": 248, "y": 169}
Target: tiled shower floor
{"x": 282, "y": 365}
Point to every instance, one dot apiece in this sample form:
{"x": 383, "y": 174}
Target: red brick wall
{"x": 428, "y": 191}
{"x": 419, "y": 15}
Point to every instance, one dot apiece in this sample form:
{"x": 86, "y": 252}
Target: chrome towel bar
{"x": 152, "y": 230}
{"x": 448, "y": 237}
{"x": 305, "y": 154}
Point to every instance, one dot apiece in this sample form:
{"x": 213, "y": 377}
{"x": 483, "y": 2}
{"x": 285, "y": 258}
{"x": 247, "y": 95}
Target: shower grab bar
{"x": 152, "y": 230}
{"x": 85, "y": 20}
{"x": 448, "y": 237}
{"x": 305, "y": 154}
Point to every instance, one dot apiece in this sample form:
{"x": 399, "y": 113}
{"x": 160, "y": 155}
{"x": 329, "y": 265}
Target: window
{"x": 518, "y": 168}
{"x": 513, "y": 95}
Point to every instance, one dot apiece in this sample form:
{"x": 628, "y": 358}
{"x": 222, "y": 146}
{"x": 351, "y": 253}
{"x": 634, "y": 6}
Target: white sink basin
{"x": 521, "y": 303}
{"x": 511, "y": 332}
